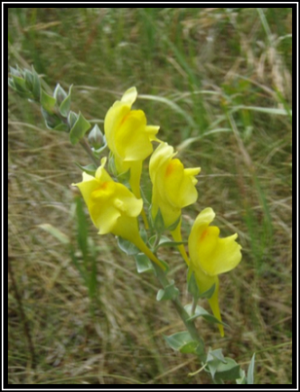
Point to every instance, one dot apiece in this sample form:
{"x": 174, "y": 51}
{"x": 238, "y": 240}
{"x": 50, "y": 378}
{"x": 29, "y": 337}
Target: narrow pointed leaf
{"x": 128, "y": 247}
{"x": 72, "y": 118}
{"x": 48, "y": 103}
{"x": 143, "y": 264}
{"x": 169, "y": 292}
{"x": 201, "y": 312}
{"x": 227, "y": 371}
{"x": 79, "y": 129}
{"x": 65, "y": 106}
{"x": 250, "y": 373}
{"x": 89, "y": 169}
{"x": 178, "y": 340}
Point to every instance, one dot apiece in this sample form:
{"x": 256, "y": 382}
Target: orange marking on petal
{"x": 104, "y": 185}
{"x": 125, "y": 118}
{"x": 204, "y": 234}
{"x": 171, "y": 167}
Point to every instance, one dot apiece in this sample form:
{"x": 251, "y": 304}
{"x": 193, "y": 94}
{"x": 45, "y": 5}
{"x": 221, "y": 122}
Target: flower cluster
{"x": 115, "y": 209}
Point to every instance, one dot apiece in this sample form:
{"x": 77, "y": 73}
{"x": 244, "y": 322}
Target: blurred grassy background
{"x": 225, "y": 79}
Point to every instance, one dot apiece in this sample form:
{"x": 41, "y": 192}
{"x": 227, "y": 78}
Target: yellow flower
{"x": 211, "y": 256}
{"x": 129, "y": 137}
{"x": 173, "y": 185}
{"x": 173, "y": 188}
{"x": 113, "y": 208}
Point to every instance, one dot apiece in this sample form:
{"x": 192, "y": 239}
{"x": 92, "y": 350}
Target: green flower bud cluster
{"x": 56, "y": 108}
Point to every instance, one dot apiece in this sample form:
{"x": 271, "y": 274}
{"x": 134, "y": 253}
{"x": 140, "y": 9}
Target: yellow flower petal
{"x": 131, "y": 139}
{"x": 112, "y": 122}
{"x": 129, "y": 96}
{"x": 173, "y": 185}
{"x": 212, "y": 254}
{"x": 113, "y": 208}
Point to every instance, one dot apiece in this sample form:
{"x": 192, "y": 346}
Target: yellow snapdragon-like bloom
{"x": 173, "y": 185}
{"x": 129, "y": 137}
{"x": 113, "y": 208}
{"x": 211, "y": 256}
{"x": 173, "y": 188}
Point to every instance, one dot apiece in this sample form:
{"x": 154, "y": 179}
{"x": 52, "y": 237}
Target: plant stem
{"x": 86, "y": 147}
{"x": 194, "y": 305}
{"x": 190, "y": 325}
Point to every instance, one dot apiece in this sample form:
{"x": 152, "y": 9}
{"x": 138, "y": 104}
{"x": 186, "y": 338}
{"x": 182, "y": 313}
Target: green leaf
{"x": 52, "y": 120}
{"x": 201, "y": 312}
{"x": 14, "y": 71}
{"x": 144, "y": 234}
{"x": 182, "y": 342}
{"x": 250, "y": 373}
{"x": 189, "y": 348}
{"x": 59, "y": 94}
{"x": 152, "y": 241}
{"x": 214, "y": 359}
{"x": 65, "y": 106}
{"x": 89, "y": 169}
{"x": 209, "y": 293}
{"x": 192, "y": 284}
{"x": 20, "y": 84}
{"x": 194, "y": 289}
{"x": 158, "y": 222}
{"x": 143, "y": 264}
{"x": 242, "y": 379}
{"x": 72, "y": 118}
{"x": 179, "y": 340}
{"x": 36, "y": 85}
{"x": 96, "y": 138}
{"x": 61, "y": 127}
{"x": 215, "y": 354}
{"x": 28, "y": 79}
{"x": 124, "y": 177}
{"x": 227, "y": 371}
{"x": 48, "y": 103}
{"x": 128, "y": 247}
{"x": 169, "y": 292}
{"x": 79, "y": 129}
{"x": 111, "y": 164}
{"x": 97, "y": 152}
{"x": 175, "y": 224}
{"x": 165, "y": 241}
{"x": 63, "y": 238}
{"x": 11, "y": 83}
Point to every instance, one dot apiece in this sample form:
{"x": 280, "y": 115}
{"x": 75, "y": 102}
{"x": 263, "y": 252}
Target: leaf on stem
{"x": 182, "y": 341}
{"x": 201, "y": 312}
{"x": 250, "y": 373}
{"x": 48, "y": 103}
{"x": 169, "y": 292}
{"x": 78, "y": 130}
{"x": 143, "y": 264}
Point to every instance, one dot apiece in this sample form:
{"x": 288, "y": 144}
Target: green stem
{"x": 194, "y": 304}
{"x": 190, "y": 325}
{"x": 86, "y": 147}
{"x": 157, "y": 239}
